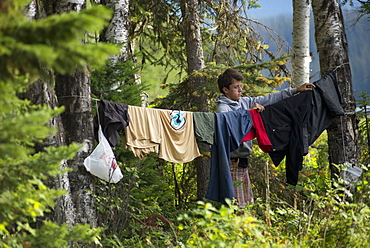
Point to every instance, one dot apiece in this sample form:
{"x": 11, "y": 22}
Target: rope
{"x": 76, "y": 96}
{"x": 340, "y": 66}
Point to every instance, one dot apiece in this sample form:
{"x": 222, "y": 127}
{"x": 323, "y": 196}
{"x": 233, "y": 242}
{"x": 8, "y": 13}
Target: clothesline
{"x": 347, "y": 63}
{"x": 149, "y": 129}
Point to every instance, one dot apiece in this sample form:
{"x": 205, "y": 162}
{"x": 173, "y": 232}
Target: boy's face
{"x": 234, "y": 92}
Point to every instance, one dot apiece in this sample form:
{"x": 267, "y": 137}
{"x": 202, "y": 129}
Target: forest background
{"x": 156, "y": 204}
{"x": 278, "y": 16}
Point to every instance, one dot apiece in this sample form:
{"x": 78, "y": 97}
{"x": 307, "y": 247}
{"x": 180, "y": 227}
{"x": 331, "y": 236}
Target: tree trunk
{"x": 117, "y": 31}
{"x": 73, "y": 93}
{"x": 65, "y": 6}
{"x": 195, "y": 60}
{"x": 333, "y": 53}
{"x": 193, "y": 39}
{"x": 301, "y": 42}
{"x": 42, "y": 92}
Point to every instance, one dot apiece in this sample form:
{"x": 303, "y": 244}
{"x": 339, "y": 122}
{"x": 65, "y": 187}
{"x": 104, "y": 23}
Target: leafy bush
{"x": 208, "y": 226}
{"x": 24, "y": 197}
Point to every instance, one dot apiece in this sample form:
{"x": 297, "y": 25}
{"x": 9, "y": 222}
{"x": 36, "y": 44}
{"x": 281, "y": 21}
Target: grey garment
{"x": 204, "y": 126}
{"x": 225, "y": 105}
{"x": 244, "y": 150}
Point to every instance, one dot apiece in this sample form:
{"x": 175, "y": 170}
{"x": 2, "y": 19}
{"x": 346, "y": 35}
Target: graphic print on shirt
{"x": 177, "y": 119}
{"x": 150, "y": 130}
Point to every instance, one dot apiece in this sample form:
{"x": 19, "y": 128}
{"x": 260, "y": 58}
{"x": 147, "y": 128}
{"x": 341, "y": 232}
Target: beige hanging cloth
{"x": 169, "y": 133}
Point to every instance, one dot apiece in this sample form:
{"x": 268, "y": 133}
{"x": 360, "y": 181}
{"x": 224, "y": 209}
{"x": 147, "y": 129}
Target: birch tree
{"x": 73, "y": 92}
{"x": 117, "y": 31}
{"x": 333, "y": 54}
{"x": 301, "y": 42}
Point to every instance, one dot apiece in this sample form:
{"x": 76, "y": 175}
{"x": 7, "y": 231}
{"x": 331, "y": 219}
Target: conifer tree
{"x": 29, "y": 49}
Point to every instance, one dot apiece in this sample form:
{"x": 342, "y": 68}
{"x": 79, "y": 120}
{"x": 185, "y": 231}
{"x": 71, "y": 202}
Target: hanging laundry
{"x": 294, "y": 123}
{"x": 113, "y": 119}
{"x": 144, "y": 134}
{"x": 204, "y": 125}
{"x": 170, "y": 133}
{"x": 258, "y": 131}
{"x": 178, "y": 141}
{"x": 231, "y": 128}
{"x": 284, "y": 122}
{"x": 327, "y": 102}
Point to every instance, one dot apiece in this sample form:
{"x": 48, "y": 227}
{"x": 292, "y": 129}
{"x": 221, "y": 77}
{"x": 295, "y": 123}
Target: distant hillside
{"x": 358, "y": 37}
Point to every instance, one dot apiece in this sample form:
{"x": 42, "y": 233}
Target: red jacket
{"x": 258, "y": 131}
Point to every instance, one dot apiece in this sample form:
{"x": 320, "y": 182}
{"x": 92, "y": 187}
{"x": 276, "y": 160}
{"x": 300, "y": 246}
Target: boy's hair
{"x": 228, "y": 77}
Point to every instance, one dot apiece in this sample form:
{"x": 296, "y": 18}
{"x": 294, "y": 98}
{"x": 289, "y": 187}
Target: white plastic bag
{"x": 351, "y": 174}
{"x": 102, "y": 162}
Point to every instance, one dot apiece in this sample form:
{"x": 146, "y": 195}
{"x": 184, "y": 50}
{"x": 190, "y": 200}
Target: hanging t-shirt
{"x": 143, "y": 135}
{"x": 178, "y": 143}
{"x": 170, "y": 133}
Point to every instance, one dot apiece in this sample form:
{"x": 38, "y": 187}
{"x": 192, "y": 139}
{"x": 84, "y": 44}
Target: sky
{"x": 272, "y": 7}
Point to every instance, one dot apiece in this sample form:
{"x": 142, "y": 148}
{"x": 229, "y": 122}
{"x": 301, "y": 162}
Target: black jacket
{"x": 296, "y": 122}
{"x": 113, "y": 118}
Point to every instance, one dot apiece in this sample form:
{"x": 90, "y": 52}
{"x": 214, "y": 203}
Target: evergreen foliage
{"x": 115, "y": 83}
{"x": 227, "y": 37}
{"x": 180, "y": 97}
{"x": 27, "y": 49}
{"x": 31, "y": 46}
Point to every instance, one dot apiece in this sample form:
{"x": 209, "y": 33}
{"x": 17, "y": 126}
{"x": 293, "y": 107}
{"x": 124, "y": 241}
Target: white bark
{"x": 301, "y": 42}
{"x": 31, "y": 11}
{"x": 78, "y": 205}
{"x": 117, "y": 31}
{"x": 78, "y": 125}
{"x": 65, "y": 211}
